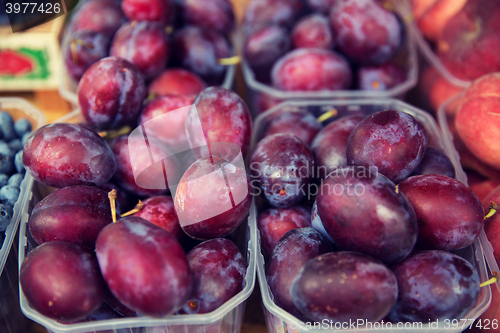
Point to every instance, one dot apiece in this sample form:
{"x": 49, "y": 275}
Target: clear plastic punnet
{"x": 279, "y": 320}
{"x": 228, "y": 318}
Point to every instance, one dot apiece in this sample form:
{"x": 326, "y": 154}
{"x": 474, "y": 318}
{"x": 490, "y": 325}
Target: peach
{"x": 419, "y": 7}
{"x": 480, "y": 185}
{"x": 478, "y": 119}
{"x": 433, "y": 20}
{"x": 434, "y": 90}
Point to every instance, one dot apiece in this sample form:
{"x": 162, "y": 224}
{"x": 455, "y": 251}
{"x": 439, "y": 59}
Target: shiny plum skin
{"x": 162, "y": 11}
{"x": 160, "y": 211}
{"x": 177, "y": 81}
{"x": 380, "y": 77}
{"x": 152, "y": 177}
{"x": 144, "y": 266}
{"x": 218, "y": 270}
{"x": 281, "y": 12}
{"x": 62, "y": 155}
{"x": 110, "y": 93}
{"x": 302, "y": 124}
{"x": 224, "y": 117}
{"x": 366, "y": 32}
{"x": 263, "y": 46}
{"x": 282, "y": 167}
{"x": 293, "y": 251}
{"x": 449, "y": 214}
{"x": 199, "y": 50}
{"x": 144, "y": 44}
{"x": 83, "y": 49}
{"x": 212, "y": 199}
{"x": 311, "y": 70}
{"x": 435, "y": 163}
{"x": 275, "y": 222}
{"x": 421, "y": 275}
{"x": 103, "y": 16}
{"x": 330, "y": 144}
{"x": 343, "y": 286}
{"x": 321, "y": 6}
{"x": 313, "y": 31}
{"x": 73, "y": 214}
{"x": 176, "y": 136}
{"x": 62, "y": 281}
{"x": 317, "y": 224}
{"x": 392, "y": 141}
{"x": 215, "y": 15}
{"x": 362, "y": 211}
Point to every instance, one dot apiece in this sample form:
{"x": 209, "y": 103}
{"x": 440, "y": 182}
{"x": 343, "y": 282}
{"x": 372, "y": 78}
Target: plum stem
{"x": 108, "y": 135}
{"x": 112, "y": 201}
{"x": 493, "y": 209}
{"x": 73, "y": 45}
{"x": 328, "y": 115}
{"x": 487, "y": 283}
{"x": 397, "y": 189}
{"x": 151, "y": 96}
{"x": 169, "y": 30}
{"x": 229, "y": 61}
{"x": 136, "y": 209}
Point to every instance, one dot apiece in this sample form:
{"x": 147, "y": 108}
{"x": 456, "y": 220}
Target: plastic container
{"x": 257, "y": 89}
{"x": 279, "y": 320}
{"x": 404, "y": 7}
{"x": 226, "y": 319}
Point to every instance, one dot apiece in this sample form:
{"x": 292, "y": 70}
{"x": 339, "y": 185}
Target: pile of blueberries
{"x": 13, "y": 135}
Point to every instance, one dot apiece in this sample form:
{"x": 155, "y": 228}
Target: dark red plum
{"x": 62, "y": 281}
{"x": 83, "y": 49}
{"x": 392, "y": 141}
{"x": 380, "y": 77}
{"x": 344, "y": 286}
{"x": 264, "y": 46}
{"x": 165, "y": 112}
{"x": 220, "y": 116}
{"x": 313, "y": 31}
{"x": 293, "y": 251}
{"x": 282, "y": 168}
{"x": 265, "y": 102}
{"x": 212, "y": 199}
{"x": 215, "y": 15}
{"x": 321, "y": 6}
{"x": 330, "y": 144}
{"x": 434, "y": 285}
{"x": 177, "y": 81}
{"x": 317, "y": 224}
{"x": 73, "y": 214}
{"x": 199, "y": 50}
{"x": 144, "y": 44}
{"x": 362, "y": 211}
{"x": 281, "y": 12}
{"x": 62, "y": 155}
{"x": 366, "y": 32}
{"x": 110, "y": 93}
{"x": 102, "y": 16}
{"x": 218, "y": 270}
{"x": 144, "y": 266}
{"x": 435, "y": 162}
{"x": 162, "y": 11}
{"x": 160, "y": 211}
{"x": 275, "y": 222}
{"x": 449, "y": 214}
{"x": 491, "y": 225}
{"x": 151, "y": 181}
{"x": 311, "y": 70}
{"x": 302, "y": 124}
{"x": 117, "y": 306}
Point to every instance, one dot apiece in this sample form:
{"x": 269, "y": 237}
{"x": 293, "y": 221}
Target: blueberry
{"x": 6, "y": 213}
{"x": 21, "y": 127}
{"x": 15, "y": 180}
{"x": 7, "y": 126}
{"x": 25, "y": 137}
{"x": 3, "y": 179}
{"x": 16, "y": 145}
{"x": 18, "y": 161}
{"x": 6, "y": 159}
{"x": 9, "y": 194}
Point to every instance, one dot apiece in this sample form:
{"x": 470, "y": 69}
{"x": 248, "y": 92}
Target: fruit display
{"x": 388, "y": 225}
{"x": 308, "y": 50}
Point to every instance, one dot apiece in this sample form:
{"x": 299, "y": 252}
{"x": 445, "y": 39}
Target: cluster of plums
{"x": 375, "y": 245}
